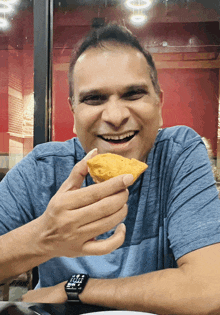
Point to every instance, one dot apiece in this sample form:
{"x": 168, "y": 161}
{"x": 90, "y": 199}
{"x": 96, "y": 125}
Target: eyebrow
{"x": 136, "y": 87}
{"x": 82, "y": 94}
{"x": 126, "y": 89}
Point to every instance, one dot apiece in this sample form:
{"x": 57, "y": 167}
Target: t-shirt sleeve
{"x": 16, "y": 195}
{"x": 193, "y": 204}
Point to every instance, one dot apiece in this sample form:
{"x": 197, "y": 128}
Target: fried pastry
{"x": 108, "y": 165}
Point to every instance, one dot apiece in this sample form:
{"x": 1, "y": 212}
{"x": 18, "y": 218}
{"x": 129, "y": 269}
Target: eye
{"x": 134, "y": 94}
{"x": 94, "y": 99}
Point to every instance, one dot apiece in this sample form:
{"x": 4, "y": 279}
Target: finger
{"x": 92, "y": 194}
{"x": 103, "y": 247}
{"x": 103, "y": 225}
{"x": 80, "y": 170}
{"x": 103, "y": 208}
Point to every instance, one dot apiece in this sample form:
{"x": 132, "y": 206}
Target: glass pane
{"x": 16, "y": 82}
{"x": 184, "y": 39}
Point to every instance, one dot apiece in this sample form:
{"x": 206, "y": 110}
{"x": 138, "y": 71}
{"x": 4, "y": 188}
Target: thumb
{"x": 78, "y": 173}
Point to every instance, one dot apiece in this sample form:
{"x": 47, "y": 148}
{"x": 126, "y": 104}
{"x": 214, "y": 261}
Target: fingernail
{"x": 120, "y": 228}
{"x": 128, "y": 179}
{"x": 89, "y": 155}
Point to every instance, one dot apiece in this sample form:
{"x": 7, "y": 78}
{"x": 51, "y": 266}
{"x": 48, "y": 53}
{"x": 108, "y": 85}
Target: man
{"x": 168, "y": 260}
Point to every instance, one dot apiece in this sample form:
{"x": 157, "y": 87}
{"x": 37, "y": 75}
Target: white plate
{"x": 118, "y": 313}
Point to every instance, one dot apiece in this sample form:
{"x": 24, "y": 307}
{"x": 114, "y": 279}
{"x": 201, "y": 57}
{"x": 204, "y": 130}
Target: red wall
{"x": 190, "y": 95}
{"x": 62, "y": 115}
{"x": 3, "y": 91}
{"x": 191, "y": 99}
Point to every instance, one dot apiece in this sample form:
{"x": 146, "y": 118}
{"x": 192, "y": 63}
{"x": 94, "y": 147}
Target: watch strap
{"x": 73, "y": 297}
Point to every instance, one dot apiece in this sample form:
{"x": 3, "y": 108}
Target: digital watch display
{"x": 75, "y": 286}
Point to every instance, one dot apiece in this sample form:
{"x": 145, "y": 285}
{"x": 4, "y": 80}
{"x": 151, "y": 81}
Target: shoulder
{"x": 178, "y": 134}
{"x": 174, "y": 145}
{"x": 182, "y": 136}
{"x": 55, "y": 149}
{"x": 48, "y": 161}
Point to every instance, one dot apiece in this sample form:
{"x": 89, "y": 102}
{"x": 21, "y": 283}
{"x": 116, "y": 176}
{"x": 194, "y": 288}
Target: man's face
{"x": 116, "y": 109}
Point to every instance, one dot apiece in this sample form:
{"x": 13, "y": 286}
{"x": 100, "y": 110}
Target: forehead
{"x": 110, "y": 64}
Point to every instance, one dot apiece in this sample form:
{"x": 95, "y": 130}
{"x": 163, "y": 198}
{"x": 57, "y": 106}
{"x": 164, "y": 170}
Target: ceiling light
{"x": 3, "y": 23}
{"x": 138, "y": 4}
{"x": 138, "y": 19}
{"x": 5, "y": 7}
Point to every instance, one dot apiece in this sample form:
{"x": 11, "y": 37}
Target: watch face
{"x": 77, "y": 283}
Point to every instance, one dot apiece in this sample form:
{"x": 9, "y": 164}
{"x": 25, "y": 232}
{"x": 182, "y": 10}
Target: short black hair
{"x": 111, "y": 33}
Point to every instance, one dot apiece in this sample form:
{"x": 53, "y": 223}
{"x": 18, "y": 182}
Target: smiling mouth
{"x": 119, "y": 138}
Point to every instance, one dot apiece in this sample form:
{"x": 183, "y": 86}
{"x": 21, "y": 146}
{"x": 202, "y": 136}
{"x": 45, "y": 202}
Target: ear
{"x": 160, "y": 108}
{"x": 72, "y": 110}
{"x": 70, "y": 103}
{"x": 161, "y": 97}
{"x": 74, "y": 124}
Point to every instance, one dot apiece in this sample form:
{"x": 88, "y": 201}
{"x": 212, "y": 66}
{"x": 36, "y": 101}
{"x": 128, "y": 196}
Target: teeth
{"x": 119, "y": 137}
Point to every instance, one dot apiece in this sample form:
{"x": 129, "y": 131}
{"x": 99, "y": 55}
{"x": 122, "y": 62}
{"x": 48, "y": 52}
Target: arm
{"x": 21, "y": 250}
{"x": 73, "y": 216}
{"x": 192, "y": 288}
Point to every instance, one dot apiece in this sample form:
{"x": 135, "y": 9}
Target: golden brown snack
{"x": 108, "y": 165}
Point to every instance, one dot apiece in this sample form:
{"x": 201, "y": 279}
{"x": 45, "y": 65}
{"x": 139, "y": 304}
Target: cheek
{"x": 155, "y": 112}
{"x": 149, "y": 114}
{"x": 84, "y": 120}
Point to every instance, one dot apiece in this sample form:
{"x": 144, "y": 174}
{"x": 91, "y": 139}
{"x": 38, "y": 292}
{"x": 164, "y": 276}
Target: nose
{"x": 115, "y": 113}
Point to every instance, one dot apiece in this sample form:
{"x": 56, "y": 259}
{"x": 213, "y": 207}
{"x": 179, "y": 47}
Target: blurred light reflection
{"x": 4, "y": 23}
{"x": 138, "y": 5}
{"x": 138, "y": 19}
{"x": 13, "y": 1}
{"x": 5, "y": 7}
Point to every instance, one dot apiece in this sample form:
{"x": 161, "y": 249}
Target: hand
{"x": 76, "y": 216}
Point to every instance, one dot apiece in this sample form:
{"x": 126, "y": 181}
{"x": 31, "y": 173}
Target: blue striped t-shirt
{"x": 173, "y": 207}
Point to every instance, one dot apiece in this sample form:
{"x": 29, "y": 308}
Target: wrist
{"x": 60, "y": 292}
{"x": 44, "y": 245}
{"x": 92, "y": 292}
{"x": 101, "y": 292}
{"x": 84, "y": 296}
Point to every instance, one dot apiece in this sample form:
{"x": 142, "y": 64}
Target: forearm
{"x": 21, "y": 250}
{"x": 162, "y": 292}
{"x": 168, "y": 291}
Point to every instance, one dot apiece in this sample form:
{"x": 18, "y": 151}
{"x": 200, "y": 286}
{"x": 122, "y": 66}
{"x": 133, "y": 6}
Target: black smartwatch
{"x": 75, "y": 286}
